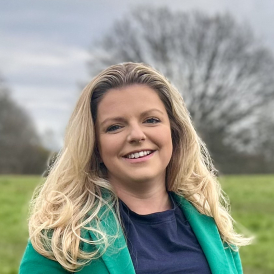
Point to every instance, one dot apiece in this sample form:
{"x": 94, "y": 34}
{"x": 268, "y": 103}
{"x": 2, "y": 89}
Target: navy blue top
{"x": 162, "y": 242}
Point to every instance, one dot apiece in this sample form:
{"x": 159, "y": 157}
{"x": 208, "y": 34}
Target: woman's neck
{"x": 156, "y": 200}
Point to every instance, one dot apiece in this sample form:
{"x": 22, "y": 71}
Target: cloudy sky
{"x": 44, "y": 46}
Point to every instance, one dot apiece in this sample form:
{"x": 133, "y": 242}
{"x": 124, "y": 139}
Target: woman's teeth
{"x": 138, "y": 154}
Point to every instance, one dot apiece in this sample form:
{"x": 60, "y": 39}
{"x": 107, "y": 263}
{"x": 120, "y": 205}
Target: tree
{"x": 223, "y": 72}
{"x": 265, "y": 135}
{"x": 20, "y": 148}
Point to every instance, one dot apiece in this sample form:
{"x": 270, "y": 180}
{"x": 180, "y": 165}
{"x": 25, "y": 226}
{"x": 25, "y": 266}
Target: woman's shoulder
{"x": 35, "y": 263}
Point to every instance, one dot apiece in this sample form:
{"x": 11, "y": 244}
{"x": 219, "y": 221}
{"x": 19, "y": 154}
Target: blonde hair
{"x": 72, "y": 194}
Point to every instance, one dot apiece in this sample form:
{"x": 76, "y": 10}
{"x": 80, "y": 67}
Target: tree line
{"x": 21, "y": 150}
{"x": 223, "y": 71}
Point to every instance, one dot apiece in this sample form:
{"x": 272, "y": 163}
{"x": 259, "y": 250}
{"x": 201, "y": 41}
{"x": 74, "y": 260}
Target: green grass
{"x": 252, "y": 200}
{"x": 15, "y": 194}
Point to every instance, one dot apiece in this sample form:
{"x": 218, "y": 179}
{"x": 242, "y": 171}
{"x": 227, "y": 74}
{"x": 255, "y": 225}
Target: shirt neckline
{"x": 152, "y": 218}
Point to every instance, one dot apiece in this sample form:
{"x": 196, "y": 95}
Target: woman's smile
{"x": 139, "y": 157}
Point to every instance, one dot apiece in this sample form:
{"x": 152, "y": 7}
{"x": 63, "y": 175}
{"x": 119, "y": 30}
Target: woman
{"x": 133, "y": 190}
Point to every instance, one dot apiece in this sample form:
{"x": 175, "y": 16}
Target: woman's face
{"x": 134, "y": 136}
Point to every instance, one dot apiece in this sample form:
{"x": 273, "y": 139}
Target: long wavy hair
{"x": 72, "y": 194}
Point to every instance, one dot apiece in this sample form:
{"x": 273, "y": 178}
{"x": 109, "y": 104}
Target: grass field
{"x": 252, "y": 199}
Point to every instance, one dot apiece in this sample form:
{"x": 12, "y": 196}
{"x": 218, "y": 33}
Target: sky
{"x": 45, "y": 47}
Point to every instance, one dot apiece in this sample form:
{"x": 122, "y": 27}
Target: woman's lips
{"x": 138, "y": 154}
{"x": 140, "y": 158}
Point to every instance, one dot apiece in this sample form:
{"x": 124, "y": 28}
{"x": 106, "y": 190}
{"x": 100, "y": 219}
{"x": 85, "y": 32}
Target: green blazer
{"x": 220, "y": 257}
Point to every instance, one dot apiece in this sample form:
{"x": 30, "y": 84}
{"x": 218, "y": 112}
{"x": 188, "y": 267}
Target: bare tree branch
{"x": 223, "y": 72}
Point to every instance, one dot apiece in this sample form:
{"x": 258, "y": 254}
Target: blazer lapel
{"x": 208, "y": 237}
{"x": 116, "y": 257}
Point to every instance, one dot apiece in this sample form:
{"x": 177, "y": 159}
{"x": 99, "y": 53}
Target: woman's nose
{"x": 136, "y": 134}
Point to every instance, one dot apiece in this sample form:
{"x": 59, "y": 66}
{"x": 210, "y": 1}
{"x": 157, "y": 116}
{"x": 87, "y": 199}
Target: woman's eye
{"x": 113, "y": 128}
{"x": 152, "y": 121}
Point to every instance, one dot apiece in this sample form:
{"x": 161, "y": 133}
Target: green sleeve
{"x": 34, "y": 263}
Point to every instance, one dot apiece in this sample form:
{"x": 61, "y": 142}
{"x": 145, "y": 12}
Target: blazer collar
{"x": 207, "y": 234}
{"x": 118, "y": 260}
{"x": 116, "y": 257}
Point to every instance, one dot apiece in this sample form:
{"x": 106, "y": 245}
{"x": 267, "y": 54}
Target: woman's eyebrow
{"x": 112, "y": 119}
{"x": 122, "y": 119}
{"x": 151, "y": 110}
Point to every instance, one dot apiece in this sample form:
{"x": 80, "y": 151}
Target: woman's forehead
{"x": 128, "y": 98}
